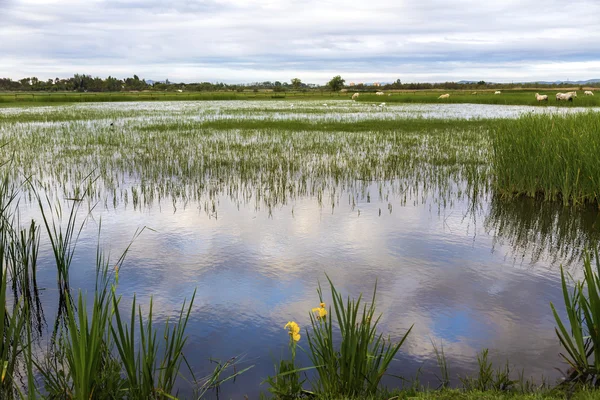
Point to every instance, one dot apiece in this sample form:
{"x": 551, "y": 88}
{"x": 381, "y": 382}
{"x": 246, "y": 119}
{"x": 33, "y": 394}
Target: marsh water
{"x": 468, "y": 269}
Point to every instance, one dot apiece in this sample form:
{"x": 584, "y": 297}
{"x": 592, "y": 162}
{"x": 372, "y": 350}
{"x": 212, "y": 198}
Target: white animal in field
{"x": 379, "y": 93}
{"x": 565, "y": 96}
{"x": 324, "y": 105}
{"x": 180, "y": 91}
{"x": 588, "y": 93}
{"x": 497, "y": 92}
{"x": 382, "y": 105}
{"x": 444, "y": 96}
{"x": 474, "y": 93}
{"x": 541, "y": 97}
{"x": 291, "y": 106}
{"x": 355, "y": 96}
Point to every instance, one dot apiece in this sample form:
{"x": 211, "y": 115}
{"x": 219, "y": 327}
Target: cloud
{"x": 242, "y": 41}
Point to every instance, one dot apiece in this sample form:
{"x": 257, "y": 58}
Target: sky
{"x": 237, "y": 41}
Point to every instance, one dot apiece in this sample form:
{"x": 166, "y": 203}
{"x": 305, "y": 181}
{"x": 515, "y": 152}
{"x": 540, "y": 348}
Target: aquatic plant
{"x": 580, "y": 335}
{"x": 356, "y": 367}
{"x": 552, "y": 157}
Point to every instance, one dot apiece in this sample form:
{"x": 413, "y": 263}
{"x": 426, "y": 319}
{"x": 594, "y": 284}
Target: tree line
{"x": 87, "y": 83}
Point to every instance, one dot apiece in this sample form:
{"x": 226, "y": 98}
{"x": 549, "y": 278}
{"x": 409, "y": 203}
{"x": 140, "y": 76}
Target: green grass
{"x": 550, "y": 157}
{"x": 508, "y": 97}
{"x": 27, "y": 98}
{"x": 357, "y": 364}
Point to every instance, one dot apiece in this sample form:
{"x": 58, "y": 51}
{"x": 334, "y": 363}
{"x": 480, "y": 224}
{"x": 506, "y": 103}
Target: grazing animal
{"x": 444, "y": 96}
{"x": 324, "y": 105}
{"x": 565, "y": 96}
{"x": 379, "y": 93}
{"x": 497, "y": 92}
{"x": 382, "y": 105}
{"x": 180, "y": 91}
{"x": 588, "y": 93}
{"x": 355, "y": 96}
{"x": 474, "y": 93}
{"x": 541, "y": 97}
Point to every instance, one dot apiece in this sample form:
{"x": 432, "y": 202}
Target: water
{"x": 468, "y": 275}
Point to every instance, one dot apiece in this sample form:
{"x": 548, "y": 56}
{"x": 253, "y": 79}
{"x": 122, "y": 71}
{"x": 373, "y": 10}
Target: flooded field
{"x": 252, "y": 203}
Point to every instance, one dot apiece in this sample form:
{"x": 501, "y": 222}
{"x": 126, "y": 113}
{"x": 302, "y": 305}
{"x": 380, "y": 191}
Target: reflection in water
{"x": 542, "y": 230}
{"x": 255, "y": 270}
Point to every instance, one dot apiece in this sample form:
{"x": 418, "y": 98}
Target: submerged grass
{"x": 268, "y": 157}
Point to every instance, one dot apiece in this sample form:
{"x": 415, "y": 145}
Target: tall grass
{"x": 552, "y": 157}
{"x": 580, "y": 334}
{"x": 356, "y": 367}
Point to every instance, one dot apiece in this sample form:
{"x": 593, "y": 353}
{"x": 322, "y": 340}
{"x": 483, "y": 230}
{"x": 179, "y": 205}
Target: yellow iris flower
{"x": 293, "y": 330}
{"x": 321, "y": 311}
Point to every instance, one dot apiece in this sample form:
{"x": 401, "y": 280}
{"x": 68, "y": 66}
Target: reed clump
{"x": 554, "y": 157}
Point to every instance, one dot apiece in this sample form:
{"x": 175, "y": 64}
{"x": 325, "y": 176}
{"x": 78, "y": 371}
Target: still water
{"x": 467, "y": 276}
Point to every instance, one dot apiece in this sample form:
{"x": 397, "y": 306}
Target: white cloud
{"x": 242, "y": 41}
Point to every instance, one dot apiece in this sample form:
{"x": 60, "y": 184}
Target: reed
{"x": 356, "y": 367}
{"x": 580, "y": 335}
{"x": 552, "y": 157}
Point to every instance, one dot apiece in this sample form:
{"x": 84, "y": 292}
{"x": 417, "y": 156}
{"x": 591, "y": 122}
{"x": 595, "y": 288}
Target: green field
{"x": 25, "y": 98}
{"x": 507, "y": 97}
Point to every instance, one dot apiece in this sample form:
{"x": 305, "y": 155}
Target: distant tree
{"x": 396, "y": 85}
{"x": 296, "y": 83}
{"x": 112, "y": 84}
{"x": 481, "y": 83}
{"x": 336, "y": 83}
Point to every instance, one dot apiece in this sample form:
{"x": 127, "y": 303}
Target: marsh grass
{"x": 267, "y": 161}
{"x": 552, "y": 157}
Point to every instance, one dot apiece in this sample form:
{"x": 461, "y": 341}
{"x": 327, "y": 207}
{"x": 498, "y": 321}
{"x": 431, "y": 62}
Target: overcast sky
{"x": 245, "y": 41}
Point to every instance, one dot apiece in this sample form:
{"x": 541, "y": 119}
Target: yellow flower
{"x": 320, "y": 311}
{"x": 293, "y": 330}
